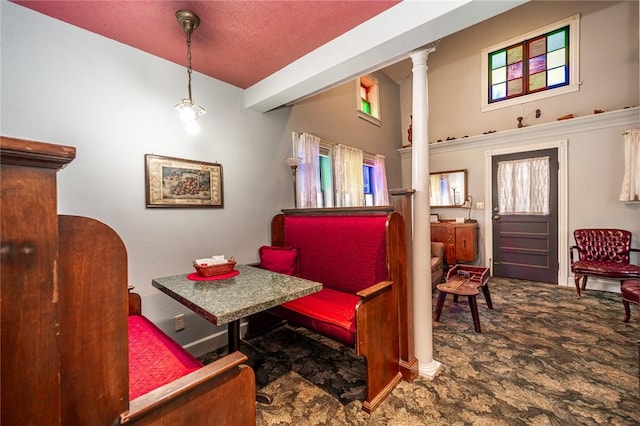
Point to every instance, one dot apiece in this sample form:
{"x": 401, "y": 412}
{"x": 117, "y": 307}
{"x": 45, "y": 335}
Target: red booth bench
{"x": 359, "y": 258}
{"x": 118, "y": 367}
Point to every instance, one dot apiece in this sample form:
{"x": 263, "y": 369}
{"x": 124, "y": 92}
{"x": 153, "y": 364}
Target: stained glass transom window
{"x": 533, "y": 65}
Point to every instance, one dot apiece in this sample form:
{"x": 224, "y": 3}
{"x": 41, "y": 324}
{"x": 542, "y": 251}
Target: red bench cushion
{"x": 605, "y": 269}
{"x": 154, "y": 358}
{"x": 631, "y": 291}
{"x": 328, "y": 312}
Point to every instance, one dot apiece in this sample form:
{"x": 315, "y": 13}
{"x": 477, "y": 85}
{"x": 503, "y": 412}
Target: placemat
{"x": 194, "y": 276}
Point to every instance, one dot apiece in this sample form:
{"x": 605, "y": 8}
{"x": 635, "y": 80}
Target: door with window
{"x": 525, "y": 215}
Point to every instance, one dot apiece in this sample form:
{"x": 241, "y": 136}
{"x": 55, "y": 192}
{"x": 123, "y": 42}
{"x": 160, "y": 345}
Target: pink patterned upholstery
{"x": 154, "y": 358}
{"x": 603, "y": 253}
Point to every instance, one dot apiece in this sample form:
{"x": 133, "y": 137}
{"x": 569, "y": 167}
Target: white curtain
{"x": 348, "y": 172}
{"x": 523, "y": 186}
{"x": 631, "y": 182}
{"x": 381, "y": 192}
{"x": 307, "y": 147}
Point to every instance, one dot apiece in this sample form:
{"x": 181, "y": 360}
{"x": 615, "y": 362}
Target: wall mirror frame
{"x": 448, "y": 189}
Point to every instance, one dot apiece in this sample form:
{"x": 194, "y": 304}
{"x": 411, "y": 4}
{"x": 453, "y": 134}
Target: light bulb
{"x": 187, "y": 114}
{"x": 193, "y": 128}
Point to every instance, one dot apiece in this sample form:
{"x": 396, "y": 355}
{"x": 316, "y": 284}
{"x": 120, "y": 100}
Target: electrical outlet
{"x": 178, "y": 322}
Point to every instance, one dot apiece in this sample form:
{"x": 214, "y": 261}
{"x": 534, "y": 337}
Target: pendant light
{"x": 189, "y": 111}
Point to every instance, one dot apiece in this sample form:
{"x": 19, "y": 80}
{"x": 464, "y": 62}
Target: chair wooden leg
{"x": 487, "y": 295}
{"x": 627, "y": 311}
{"x": 439, "y": 304}
{"x": 576, "y": 278}
{"x": 584, "y": 281}
{"x": 474, "y": 313}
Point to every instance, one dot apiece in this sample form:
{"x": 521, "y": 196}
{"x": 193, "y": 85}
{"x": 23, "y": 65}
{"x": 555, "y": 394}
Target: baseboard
{"x": 212, "y": 342}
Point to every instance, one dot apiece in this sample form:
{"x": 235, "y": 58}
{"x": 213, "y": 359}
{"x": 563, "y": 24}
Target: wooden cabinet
{"x": 460, "y": 240}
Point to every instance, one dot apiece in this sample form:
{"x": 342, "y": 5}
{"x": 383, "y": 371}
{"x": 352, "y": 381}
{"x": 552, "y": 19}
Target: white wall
{"x": 609, "y": 70}
{"x": 63, "y": 85}
{"x": 332, "y": 116}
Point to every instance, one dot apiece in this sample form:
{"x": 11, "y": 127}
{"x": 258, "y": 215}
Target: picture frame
{"x": 177, "y": 182}
{"x": 434, "y": 218}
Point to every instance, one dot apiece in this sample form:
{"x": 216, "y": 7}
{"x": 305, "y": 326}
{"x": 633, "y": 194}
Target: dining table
{"x": 228, "y": 299}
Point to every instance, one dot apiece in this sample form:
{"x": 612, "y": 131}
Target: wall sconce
{"x": 468, "y": 204}
{"x": 294, "y": 162}
{"x": 189, "y": 111}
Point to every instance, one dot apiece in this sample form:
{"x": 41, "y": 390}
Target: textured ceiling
{"x": 238, "y": 42}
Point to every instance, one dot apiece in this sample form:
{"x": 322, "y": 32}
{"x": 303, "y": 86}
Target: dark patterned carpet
{"x": 543, "y": 358}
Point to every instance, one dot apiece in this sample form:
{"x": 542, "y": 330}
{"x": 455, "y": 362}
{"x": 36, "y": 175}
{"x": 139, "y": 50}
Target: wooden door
{"x": 525, "y": 246}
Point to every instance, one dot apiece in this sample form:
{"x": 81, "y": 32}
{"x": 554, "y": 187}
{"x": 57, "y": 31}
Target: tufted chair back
{"x": 608, "y": 245}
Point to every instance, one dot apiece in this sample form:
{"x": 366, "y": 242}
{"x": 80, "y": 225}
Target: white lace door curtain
{"x": 523, "y": 186}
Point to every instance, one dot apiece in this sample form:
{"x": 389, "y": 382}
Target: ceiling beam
{"x": 381, "y": 41}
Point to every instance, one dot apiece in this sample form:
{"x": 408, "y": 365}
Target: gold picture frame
{"x": 176, "y": 182}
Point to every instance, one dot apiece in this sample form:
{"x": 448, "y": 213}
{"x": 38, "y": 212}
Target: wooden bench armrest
{"x": 223, "y": 389}
{"x": 571, "y": 250}
{"x": 374, "y": 290}
{"x": 377, "y": 340}
{"x": 135, "y": 302}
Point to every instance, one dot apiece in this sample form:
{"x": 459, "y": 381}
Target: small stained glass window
{"x": 533, "y": 65}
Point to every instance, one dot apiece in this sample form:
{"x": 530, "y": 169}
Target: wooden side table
{"x": 464, "y": 280}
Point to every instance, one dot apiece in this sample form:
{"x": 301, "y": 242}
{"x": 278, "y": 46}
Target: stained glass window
{"x": 533, "y": 65}
{"x": 364, "y": 99}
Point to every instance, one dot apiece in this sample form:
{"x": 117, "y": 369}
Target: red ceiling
{"x": 239, "y": 42}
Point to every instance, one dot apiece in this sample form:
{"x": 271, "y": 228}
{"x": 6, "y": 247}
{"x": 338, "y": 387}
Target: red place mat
{"x": 194, "y": 276}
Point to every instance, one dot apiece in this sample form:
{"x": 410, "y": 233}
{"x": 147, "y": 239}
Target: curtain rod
{"x": 629, "y": 131}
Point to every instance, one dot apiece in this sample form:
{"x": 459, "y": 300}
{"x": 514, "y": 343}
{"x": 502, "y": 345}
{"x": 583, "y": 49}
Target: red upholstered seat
{"x": 154, "y": 358}
{"x": 630, "y": 290}
{"x": 346, "y": 254}
{"x": 605, "y": 269}
{"x": 328, "y": 312}
{"x": 603, "y": 253}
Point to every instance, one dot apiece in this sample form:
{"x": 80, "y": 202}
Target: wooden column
{"x": 401, "y": 202}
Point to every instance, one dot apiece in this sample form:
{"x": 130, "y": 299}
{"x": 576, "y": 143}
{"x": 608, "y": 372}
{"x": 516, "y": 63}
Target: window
{"x": 368, "y": 99}
{"x": 331, "y": 175}
{"x": 533, "y": 66}
{"x": 369, "y": 186}
{"x": 326, "y": 177}
{"x": 365, "y": 98}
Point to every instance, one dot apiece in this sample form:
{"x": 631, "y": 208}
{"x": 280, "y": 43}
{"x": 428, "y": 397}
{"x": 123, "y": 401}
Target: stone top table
{"x": 227, "y": 301}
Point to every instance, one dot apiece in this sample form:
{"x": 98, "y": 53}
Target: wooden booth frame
{"x": 176, "y": 182}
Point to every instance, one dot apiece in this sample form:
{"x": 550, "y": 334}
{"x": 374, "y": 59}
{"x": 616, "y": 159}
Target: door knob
{"x": 496, "y": 217}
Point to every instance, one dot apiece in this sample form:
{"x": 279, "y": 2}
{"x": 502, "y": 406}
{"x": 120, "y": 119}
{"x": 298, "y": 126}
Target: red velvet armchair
{"x": 603, "y": 253}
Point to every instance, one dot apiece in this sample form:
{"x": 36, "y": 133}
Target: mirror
{"x": 448, "y": 189}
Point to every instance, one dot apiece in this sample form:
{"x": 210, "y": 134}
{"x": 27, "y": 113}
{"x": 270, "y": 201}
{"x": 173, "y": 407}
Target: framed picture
{"x": 434, "y": 218}
{"x": 174, "y": 182}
